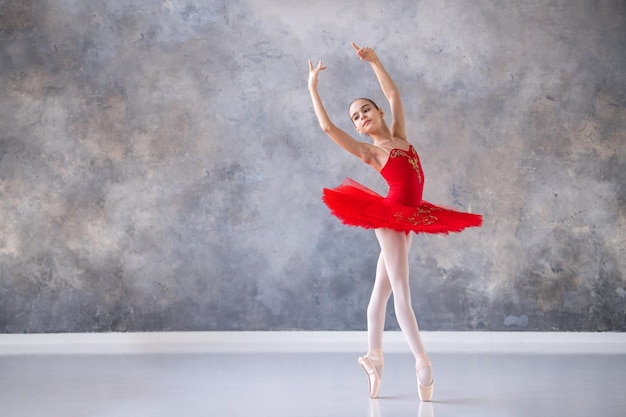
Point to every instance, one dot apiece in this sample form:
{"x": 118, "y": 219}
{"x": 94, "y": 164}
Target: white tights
{"x": 392, "y": 275}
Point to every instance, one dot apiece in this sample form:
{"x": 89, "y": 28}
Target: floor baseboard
{"x": 307, "y": 341}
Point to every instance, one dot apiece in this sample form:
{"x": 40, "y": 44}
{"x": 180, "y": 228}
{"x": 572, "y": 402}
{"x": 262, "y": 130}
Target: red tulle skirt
{"x": 356, "y": 205}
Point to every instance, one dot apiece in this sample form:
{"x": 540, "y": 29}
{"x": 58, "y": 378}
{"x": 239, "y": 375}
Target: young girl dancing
{"x": 393, "y": 217}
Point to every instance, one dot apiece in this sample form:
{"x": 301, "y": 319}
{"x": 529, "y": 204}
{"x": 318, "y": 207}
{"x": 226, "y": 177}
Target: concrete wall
{"x": 161, "y": 166}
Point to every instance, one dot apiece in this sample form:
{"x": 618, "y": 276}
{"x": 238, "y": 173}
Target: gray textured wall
{"x": 161, "y": 167}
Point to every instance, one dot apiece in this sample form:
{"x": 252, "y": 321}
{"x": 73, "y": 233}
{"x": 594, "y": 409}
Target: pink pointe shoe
{"x": 372, "y": 376}
{"x": 425, "y": 391}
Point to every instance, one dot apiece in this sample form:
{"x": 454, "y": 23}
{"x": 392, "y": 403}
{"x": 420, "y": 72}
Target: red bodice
{"x": 404, "y": 175}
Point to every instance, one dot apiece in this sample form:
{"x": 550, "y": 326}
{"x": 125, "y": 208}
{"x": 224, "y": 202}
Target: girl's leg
{"x": 394, "y": 250}
{"x": 376, "y": 315}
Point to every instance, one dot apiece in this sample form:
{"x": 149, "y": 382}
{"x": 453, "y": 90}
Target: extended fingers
{"x": 318, "y": 68}
{"x": 362, "y": 51}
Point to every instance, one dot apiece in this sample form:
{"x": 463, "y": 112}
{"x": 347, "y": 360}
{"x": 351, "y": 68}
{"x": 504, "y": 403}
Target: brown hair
{"x": 363, "y": 98}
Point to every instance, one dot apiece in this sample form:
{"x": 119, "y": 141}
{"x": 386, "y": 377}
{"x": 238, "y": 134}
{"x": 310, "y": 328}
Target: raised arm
{"x": 361, "y": 150}
{"x": 389, "y": 88}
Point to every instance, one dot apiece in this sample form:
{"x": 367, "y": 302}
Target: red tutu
{"x": 356, "y": 205}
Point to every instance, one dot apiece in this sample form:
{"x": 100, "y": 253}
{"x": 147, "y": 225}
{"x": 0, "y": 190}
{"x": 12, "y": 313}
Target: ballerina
{"x": 392, "y": 217}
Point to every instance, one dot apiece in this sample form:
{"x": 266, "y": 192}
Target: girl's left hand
{"x": 365, "y": 53}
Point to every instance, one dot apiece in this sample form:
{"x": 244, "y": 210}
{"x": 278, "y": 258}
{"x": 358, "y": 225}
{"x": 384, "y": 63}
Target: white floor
{"x": 303, "y": 384}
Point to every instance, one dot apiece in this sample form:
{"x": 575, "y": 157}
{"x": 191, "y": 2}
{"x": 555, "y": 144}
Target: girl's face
{"x": 365, "y": 115}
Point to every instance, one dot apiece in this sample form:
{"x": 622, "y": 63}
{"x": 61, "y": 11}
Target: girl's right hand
{"x": 313, "y": 72}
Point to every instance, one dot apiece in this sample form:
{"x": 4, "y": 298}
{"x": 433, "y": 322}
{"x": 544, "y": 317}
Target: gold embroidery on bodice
{"x": 413, "y": 160}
